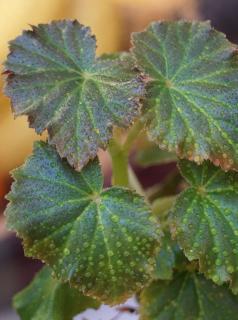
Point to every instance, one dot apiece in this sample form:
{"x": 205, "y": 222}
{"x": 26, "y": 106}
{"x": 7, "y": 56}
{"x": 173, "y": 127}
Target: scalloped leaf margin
{"x": 188, "y": 296}
{"x": 55, "y": 79}
{"x": 192, "y": 96}
{"x": 204, "y": 220}
{"x": 102, "y": 241}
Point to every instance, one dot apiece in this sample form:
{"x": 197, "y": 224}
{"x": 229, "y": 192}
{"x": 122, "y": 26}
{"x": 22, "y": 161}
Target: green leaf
{"x": 205, "y": 221}
{"x": 55, "y": 79}
{"x": 101, "y": 241}
{"x": 188, "y": 297}
{"x": 47, "y": 298}
{"x": 192, "y": 98}
{"x": 153, "y": 155}
{"x": 169, "y": 257}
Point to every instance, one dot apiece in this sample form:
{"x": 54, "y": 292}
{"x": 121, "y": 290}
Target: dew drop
{"x": 129, "y": 239}
{"x": 126, "y": 253}
{"x": 225, "y": 253}
{"x": 213, "y": 231}
{"x": 115, "y": 218}
{"x": 110, "y": 253}
{"x": 100, "y": 228}
{"x": 215, "y": 278}
{"x": 86, "y": 244}
{"x": 66, "y": 251}
{"x": 230, "y": 269}
{"x": 118, "y": 244}
{"x": 215, "y": 249}
{"x": 119, "y": 262}
{"x": 218, "y": 262}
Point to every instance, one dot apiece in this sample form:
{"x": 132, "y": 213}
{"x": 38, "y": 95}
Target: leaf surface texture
{"x": 189, "y": 296}
{"x": 204, "y": 220}
{"x": 101, "y": 241}
{"x": 56, "y": 80}
{"x": 192, "y": 97}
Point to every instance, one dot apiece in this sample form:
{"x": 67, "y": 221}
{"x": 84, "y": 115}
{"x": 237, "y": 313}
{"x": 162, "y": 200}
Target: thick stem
{"x": 120, "y": 153}
{"x": 133, "y": 135}
{"x": 119, "y": 164}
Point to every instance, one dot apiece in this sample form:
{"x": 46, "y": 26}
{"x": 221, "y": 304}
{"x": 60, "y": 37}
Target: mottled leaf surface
{"x": 188, "y": 297}
{"x": 55, "y": 79}
{"x": 205, "y": 221}
{"x": 47, "y": 298}
{"x": 102, "y": 241}
{"x": 192, "y": 98}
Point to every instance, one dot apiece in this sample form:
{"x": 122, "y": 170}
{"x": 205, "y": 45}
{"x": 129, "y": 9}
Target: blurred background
{"x": 112, "y": 21}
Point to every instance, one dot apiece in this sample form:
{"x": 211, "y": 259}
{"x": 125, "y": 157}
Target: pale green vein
{"x": 55, "y": 181}
{"x": 107, "y": 246}
{"x": 201, "y": 312}
{"x": 48, "y": 40}
{"x": 152, "y": 32}
{"x": 198, "y": 59}
{"x": 38, "y": 54}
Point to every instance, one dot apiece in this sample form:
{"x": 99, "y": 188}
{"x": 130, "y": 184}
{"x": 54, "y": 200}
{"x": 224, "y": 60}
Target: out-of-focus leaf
{"x": 49, "y": 299}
